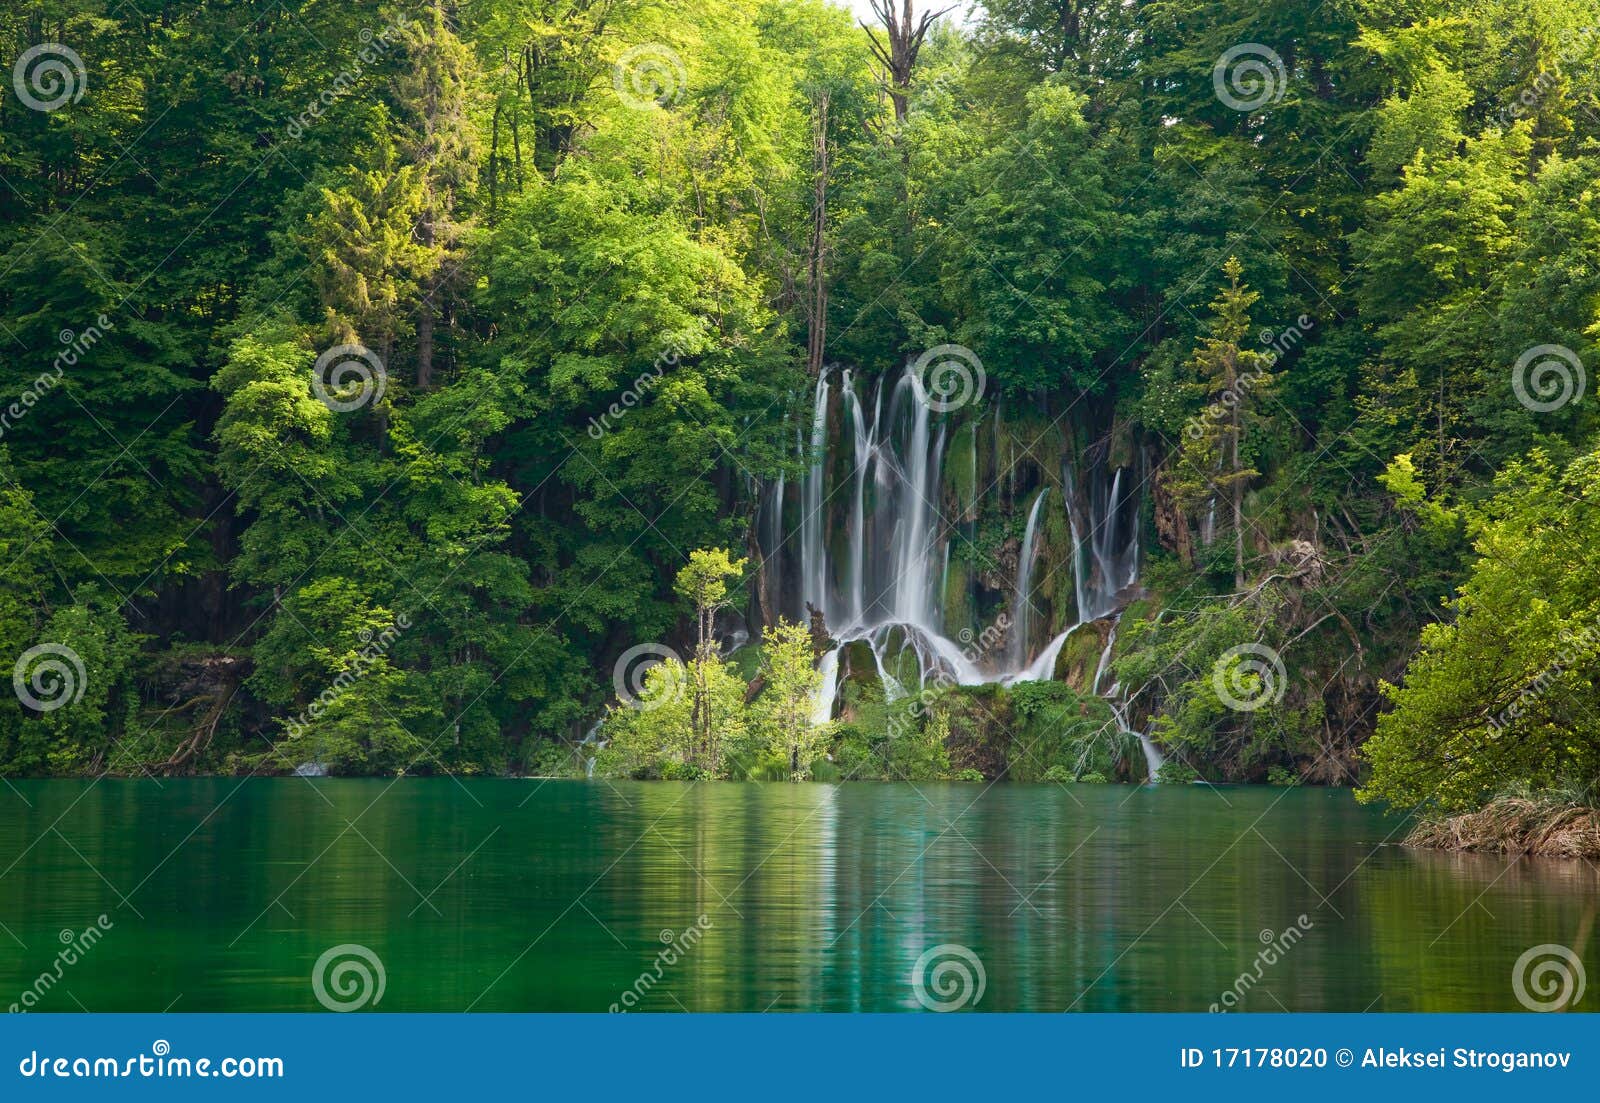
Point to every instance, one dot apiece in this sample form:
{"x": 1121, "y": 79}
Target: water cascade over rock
{"x": 882, "y": 540}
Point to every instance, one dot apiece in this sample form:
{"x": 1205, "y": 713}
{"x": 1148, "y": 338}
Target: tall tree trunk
{"x": 1236, "y": 484}
{"x": 425, "y": 313}
{"x": 818, "y": 321}
{"x": 432, "y": 95}
{"x": 700, "y": 718}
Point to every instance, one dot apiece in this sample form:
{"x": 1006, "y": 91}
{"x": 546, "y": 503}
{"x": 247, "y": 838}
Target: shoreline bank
{"x": 1515, "y": 825}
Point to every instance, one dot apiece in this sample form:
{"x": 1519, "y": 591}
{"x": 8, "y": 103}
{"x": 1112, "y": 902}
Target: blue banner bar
{"x": 740, "y": 1057}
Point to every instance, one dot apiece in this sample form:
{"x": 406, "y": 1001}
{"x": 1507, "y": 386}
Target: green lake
{"x": 497, "y": 895}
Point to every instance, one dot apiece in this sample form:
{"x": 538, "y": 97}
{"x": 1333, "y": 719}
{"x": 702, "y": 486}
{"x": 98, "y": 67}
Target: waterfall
{"x": 886, "y": 584}
{"x": 1018, "y": 643}
{"x": 1152, "y": 757}
{"x": 591, "y": 738}
{"x": 971, "y": 504}
{"x": 1113, "y": 695}
{"x": 813, "y": 561}
{"x": 1080, "y": 573}
{"x": 858, "y": 520}
{"x": 1043, "y": 668}
{"x": 827, "y": 689}
{"x": 771, "y": 535}
{"x": 1112, "y": 560}
{"x": 1105, "y": 658}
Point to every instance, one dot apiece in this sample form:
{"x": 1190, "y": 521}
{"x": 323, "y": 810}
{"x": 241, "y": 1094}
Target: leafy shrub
{"x": 1173, "y": 772}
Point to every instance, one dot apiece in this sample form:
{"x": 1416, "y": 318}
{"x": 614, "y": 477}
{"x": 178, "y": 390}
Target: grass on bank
{"x": 1559, "y": 824}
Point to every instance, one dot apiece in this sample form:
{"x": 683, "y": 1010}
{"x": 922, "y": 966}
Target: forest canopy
{"x": 374, "y": 372}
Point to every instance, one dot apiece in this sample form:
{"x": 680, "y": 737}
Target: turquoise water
{"x": 222, "y": 895}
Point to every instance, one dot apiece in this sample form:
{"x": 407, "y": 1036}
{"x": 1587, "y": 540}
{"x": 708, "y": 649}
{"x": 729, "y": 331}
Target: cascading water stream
{"x": 1113, "y": 695}
{"x": 813, "y": 560}
{"x": 882, "y": 582}
{"x": 863, "y": 445}
{"x": 591, "y": 747}
{"x": 1105, "y": 658}
{"x": 828, "y": 690}
{"x": 1017, "y": 645}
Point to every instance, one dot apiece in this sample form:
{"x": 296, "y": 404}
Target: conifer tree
{"x": 1212, "y": 461}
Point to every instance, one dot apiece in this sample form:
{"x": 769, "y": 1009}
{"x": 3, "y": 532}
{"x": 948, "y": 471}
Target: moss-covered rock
{"x": 959, "y": 610}
{"x": 858, "y": 680}
{"x": 1057, "y": 728}
{"x": 1056, "y": 592}
{"x": 1123, "y": 450}
{"x": 979, "y": 722}
{"x": 856, "y": 664}
{"x": 1032, "y": 730}
{"x": 962, "y": 473}
{"x": 1080, "y": 655}
{"x": 900, "y": 660}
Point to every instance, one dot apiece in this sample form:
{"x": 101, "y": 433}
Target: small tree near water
{"x": 790, "y": 680}
{"x": 704, "y": 583}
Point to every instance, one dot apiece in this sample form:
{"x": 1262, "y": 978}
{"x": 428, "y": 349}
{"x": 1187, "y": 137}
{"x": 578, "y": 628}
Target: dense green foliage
{"x": 410, "y": 351}
{"x": 1506, "y": 690}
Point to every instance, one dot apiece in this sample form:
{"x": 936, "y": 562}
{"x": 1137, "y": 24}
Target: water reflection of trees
{"x": 1447, "y": 928}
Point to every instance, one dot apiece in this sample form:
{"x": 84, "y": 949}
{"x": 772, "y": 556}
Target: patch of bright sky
{"x": 964, "y": 10}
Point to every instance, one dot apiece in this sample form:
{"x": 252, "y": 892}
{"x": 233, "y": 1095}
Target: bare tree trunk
{"x": 818, "y": 322}
{"x": 905, "y": 33}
